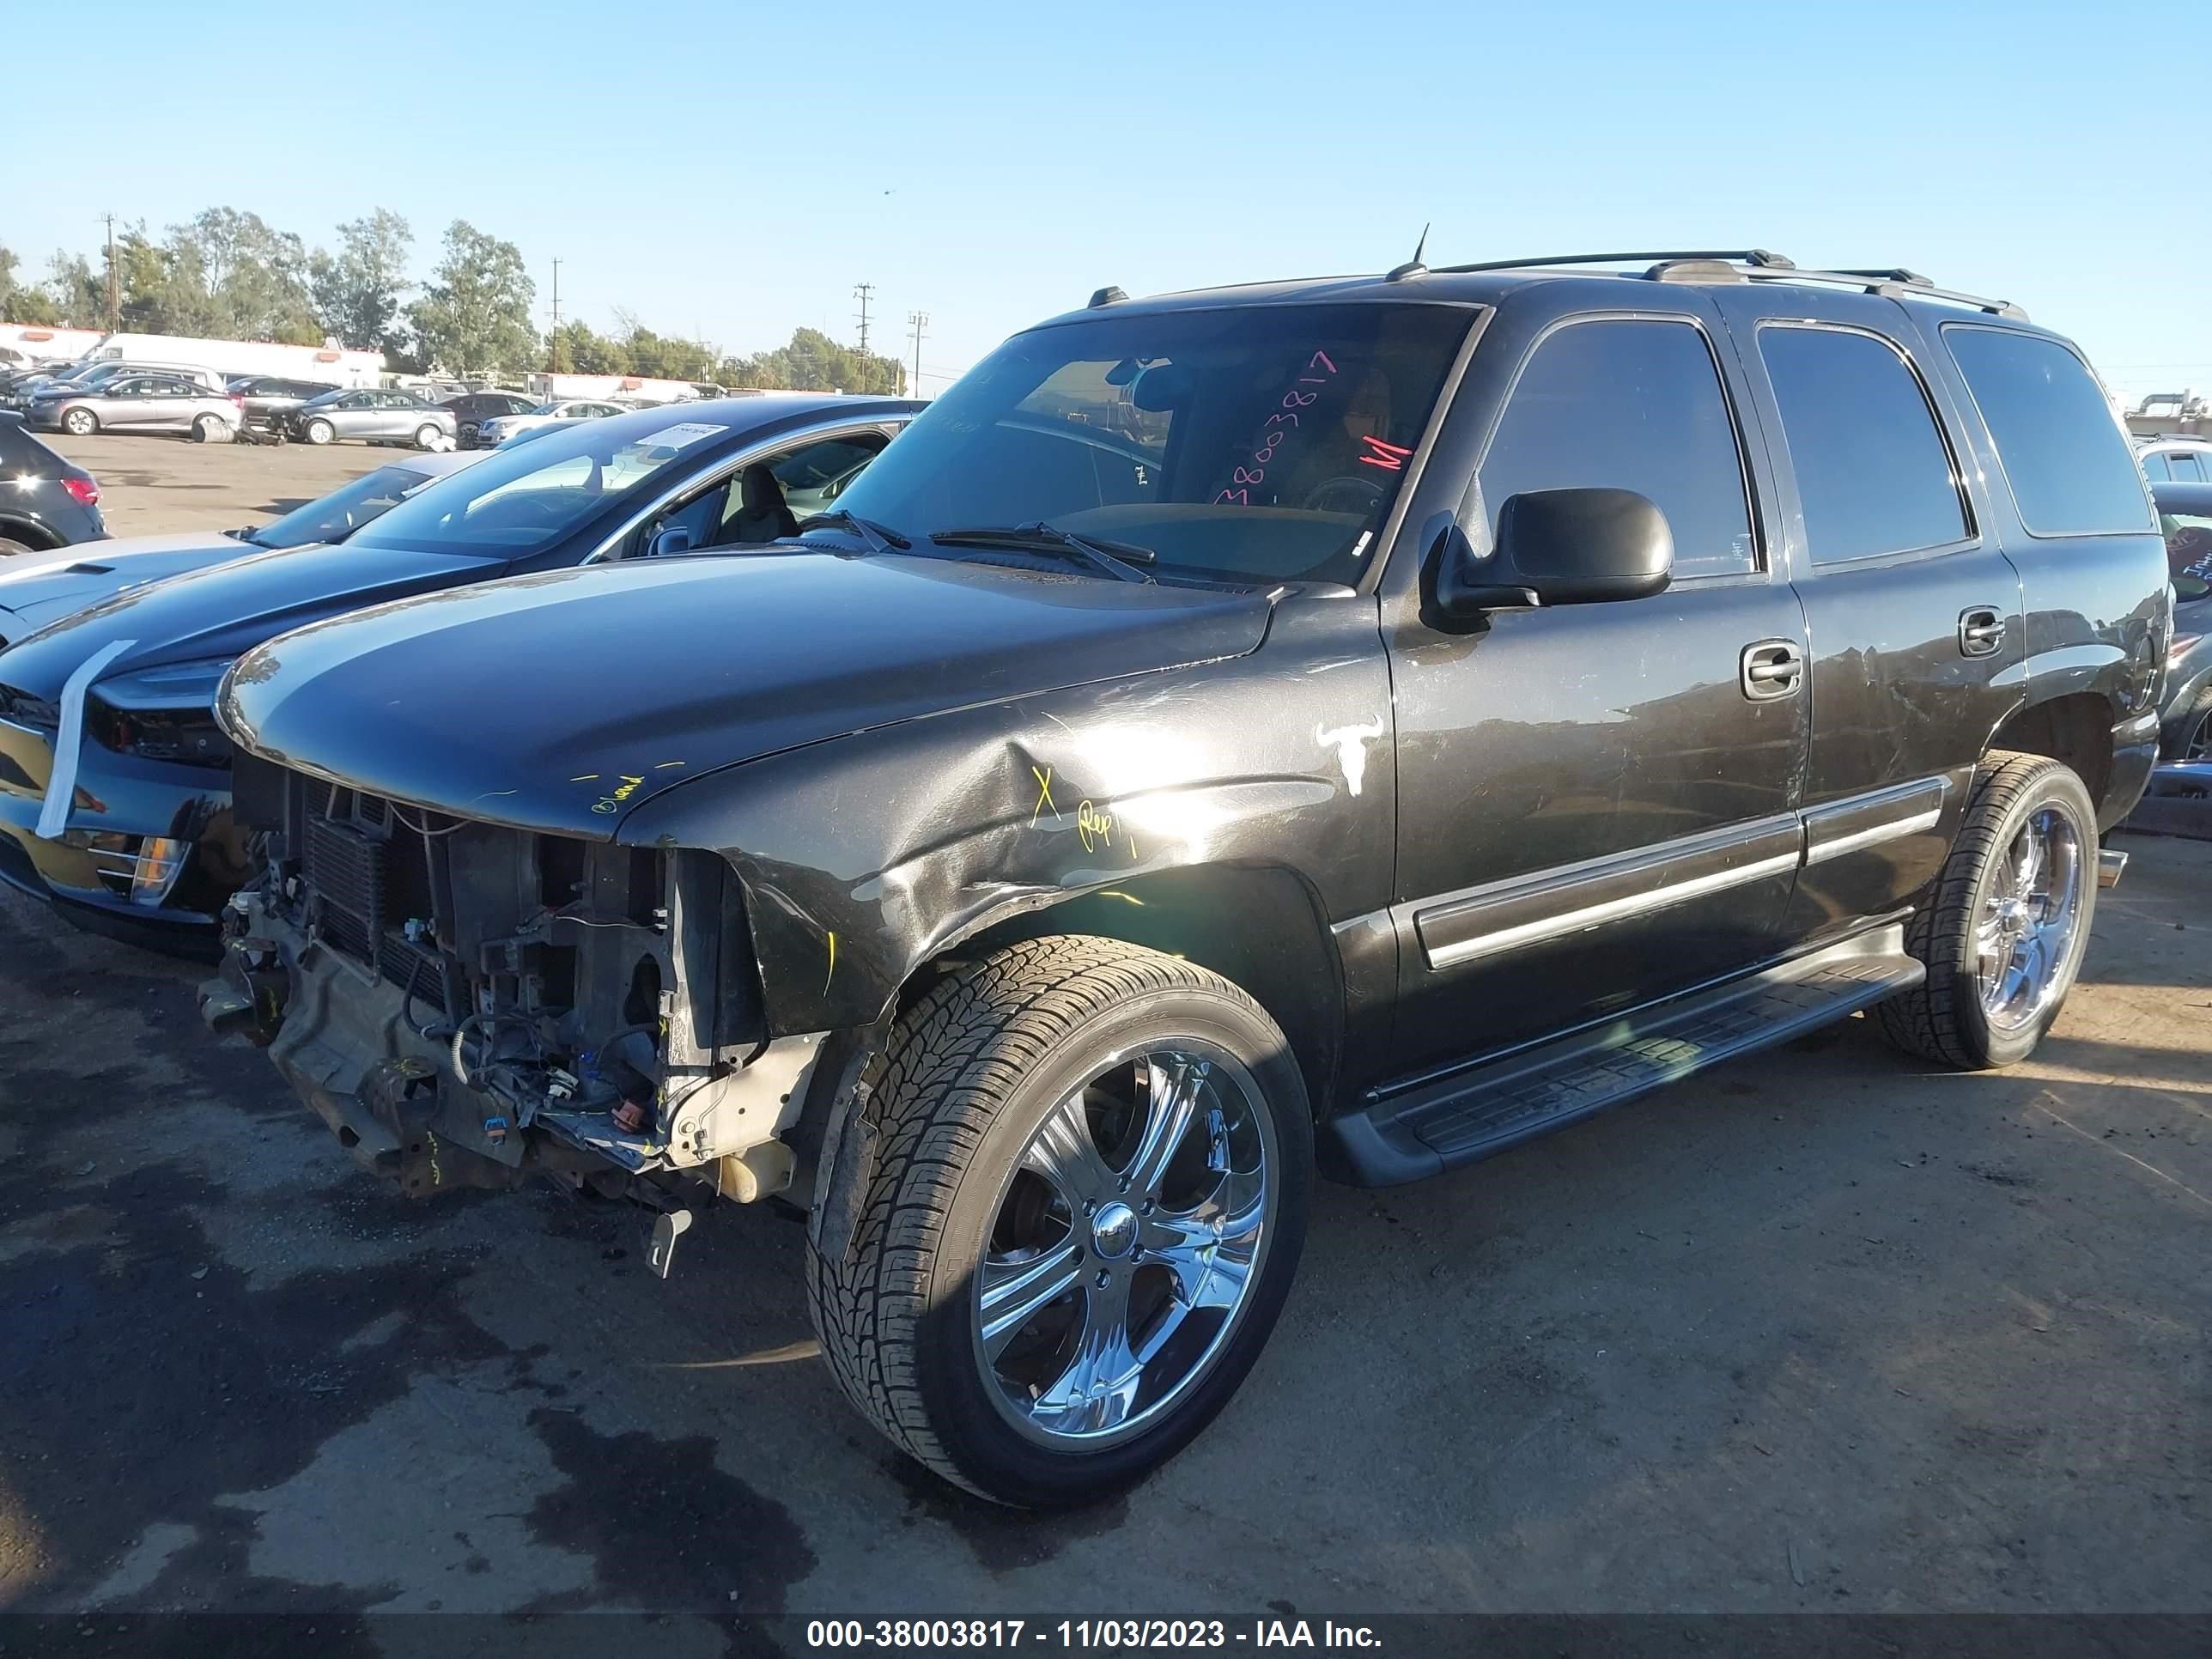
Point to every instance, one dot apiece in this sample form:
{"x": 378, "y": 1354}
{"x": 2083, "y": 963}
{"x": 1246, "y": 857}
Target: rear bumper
{"x": 2135, "y": 751}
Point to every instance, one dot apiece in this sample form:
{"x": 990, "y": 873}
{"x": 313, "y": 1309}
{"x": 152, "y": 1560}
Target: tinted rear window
{"x": 20, "y": 448}
{"x": 2071, "y": 470}
{"x": 1873, "y": 475}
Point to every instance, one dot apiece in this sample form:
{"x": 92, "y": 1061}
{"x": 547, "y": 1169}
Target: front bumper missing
{"x": 343, "y": 1040}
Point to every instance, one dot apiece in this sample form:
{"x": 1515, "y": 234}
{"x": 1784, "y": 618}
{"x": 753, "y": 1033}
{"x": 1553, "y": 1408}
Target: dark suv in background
{"x": 473, "y": 408}
{"x": 1354, "y": 725}
{"x": 49, "y": 502}
{"x": 269, "y": 397}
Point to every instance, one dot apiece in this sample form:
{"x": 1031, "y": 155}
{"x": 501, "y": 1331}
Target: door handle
{"x": 1981, "y": 630}
{"x": 1770, "y": 669}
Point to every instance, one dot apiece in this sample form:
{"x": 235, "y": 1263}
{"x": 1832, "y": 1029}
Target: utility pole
{"x": 114, "y": 305}
{"x": 920, "y": 320}
{"x": 553, "y": 340}
{"x": 863, "y": 293}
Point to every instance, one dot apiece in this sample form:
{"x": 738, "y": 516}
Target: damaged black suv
{"x": 1353, "y": 725}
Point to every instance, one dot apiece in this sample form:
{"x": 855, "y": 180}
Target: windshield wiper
{"x": 1117, "y": 559}
{"x": 880, "y": 537}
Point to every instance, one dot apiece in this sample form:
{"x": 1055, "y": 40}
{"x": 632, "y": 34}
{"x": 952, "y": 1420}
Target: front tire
{"x": 2007, "y": 923}
{"x": 80, "y": 424}
{"x": 1091, "y": 1169}
{"x": 320, "y": 433}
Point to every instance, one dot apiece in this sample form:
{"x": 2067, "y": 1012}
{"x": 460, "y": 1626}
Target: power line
{"x": 114, "y": 306}
{"x": 863, "y": 292}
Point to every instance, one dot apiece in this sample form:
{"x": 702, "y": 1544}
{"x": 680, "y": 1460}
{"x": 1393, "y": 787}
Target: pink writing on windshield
{"x": 1285, "y": 418}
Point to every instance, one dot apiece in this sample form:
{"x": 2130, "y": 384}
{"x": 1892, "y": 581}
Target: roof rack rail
{"x": 1897, "y": 285}
{"x": 1757, "y": 264}
{"x": 1752, "y": 255}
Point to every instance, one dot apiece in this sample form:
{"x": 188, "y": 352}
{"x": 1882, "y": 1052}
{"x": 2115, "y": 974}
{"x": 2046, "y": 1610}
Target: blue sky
{"x": 734, "y": 170}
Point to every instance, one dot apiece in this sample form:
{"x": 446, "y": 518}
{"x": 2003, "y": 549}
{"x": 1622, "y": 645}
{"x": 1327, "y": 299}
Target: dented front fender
{"x": 865, "y": 857}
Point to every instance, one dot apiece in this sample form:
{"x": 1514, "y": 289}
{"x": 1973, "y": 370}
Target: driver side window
{"x": 790, "y": 486}
{"x": 1633, "y": 404}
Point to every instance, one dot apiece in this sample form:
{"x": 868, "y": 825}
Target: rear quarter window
{"x": 1873, "y": 474}
{"x": 2069, "y": 469}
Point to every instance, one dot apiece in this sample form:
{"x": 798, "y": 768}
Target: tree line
{"x": 229, "y": 274}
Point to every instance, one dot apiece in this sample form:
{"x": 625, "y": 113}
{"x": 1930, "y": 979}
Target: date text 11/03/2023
{"x": 937, "y": 1635}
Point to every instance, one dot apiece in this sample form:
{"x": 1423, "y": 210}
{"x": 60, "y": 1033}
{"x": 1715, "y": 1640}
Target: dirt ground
{"x": 1823, "y": 1330}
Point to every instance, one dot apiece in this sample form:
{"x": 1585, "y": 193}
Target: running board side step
{"x": 1470, "y": 1115}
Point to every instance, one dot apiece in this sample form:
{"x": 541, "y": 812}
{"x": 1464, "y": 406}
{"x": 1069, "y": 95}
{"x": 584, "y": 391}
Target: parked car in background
{"x": 531, "y": 433}
{"x": 116, "y": 807}
{"x": 46, "y": 502}
{"x": 270, "y": 398}
{"x": 2184, "y": 513}
{"x": 473, "y": 408}
{"x": 133, "y": 401}
{"x": 2175, "y": 460}
{"x": 37, "y": 589}
{"x": 87, "y": 375}
{"x": 369, "y": 415}
{"x": 501, "y": 428}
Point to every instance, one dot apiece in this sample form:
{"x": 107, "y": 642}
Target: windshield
{"x": 1249, "y": 442}
{"x": 520, "y": 501}
{"x": 339, "y": 514}
{"x": 546, "y": 408}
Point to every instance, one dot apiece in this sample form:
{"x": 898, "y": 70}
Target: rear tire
{"x": 427, "y": 436}
{"x": 320, "y": 433}
{"x": 1009, "y": 1104}
{"x": 210, "y": 429}
{"x": 80, "y": 424}
{"x": 9, "y": 549}
{"x": 2002, "y": 948}
{"x": 2193, "y": 735}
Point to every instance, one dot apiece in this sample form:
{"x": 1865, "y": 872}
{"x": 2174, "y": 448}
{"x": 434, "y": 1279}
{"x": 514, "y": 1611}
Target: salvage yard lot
{"x": 1821, "y": 1331}
{"x": 162, "y": 484}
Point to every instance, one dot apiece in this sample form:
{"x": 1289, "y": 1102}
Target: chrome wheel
{"x": 2198, "y": 745}
{"x": 2024, "y": 936}
{"x": 1126, "y": 1245}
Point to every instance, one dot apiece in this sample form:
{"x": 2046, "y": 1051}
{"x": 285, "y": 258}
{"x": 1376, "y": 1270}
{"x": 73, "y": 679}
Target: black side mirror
{"x": 1561, "y": 547}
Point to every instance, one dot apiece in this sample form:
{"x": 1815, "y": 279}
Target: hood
{"x": 229, "y": 607}
{"x": 561, "y": 701}
{"x": 42, "y": 588}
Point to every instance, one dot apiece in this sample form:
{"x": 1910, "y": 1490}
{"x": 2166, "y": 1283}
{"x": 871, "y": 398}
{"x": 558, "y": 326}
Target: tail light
{"x": 83, "y": 491}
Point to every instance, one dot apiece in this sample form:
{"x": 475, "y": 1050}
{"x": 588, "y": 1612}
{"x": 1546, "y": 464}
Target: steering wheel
{"x": 1358, "y": 496}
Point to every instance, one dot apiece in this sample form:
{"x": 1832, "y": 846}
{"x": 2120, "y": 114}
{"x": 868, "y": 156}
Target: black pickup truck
{"x": 1345, "y": 726}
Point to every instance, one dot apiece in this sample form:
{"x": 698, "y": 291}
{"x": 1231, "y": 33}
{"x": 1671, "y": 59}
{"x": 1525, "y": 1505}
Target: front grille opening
{"x": 644, "y": 896}
{"x": 642, "y": 1006}
{"x": 559, "y": 870}
{"x": 557, "y": 972}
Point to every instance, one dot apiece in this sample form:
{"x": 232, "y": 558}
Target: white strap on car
{"x": 69, "y": 738}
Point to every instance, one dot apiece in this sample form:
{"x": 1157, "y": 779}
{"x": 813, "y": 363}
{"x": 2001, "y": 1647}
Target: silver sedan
{"x": 372, "y": 413}
{"x": 139, "y": 403}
